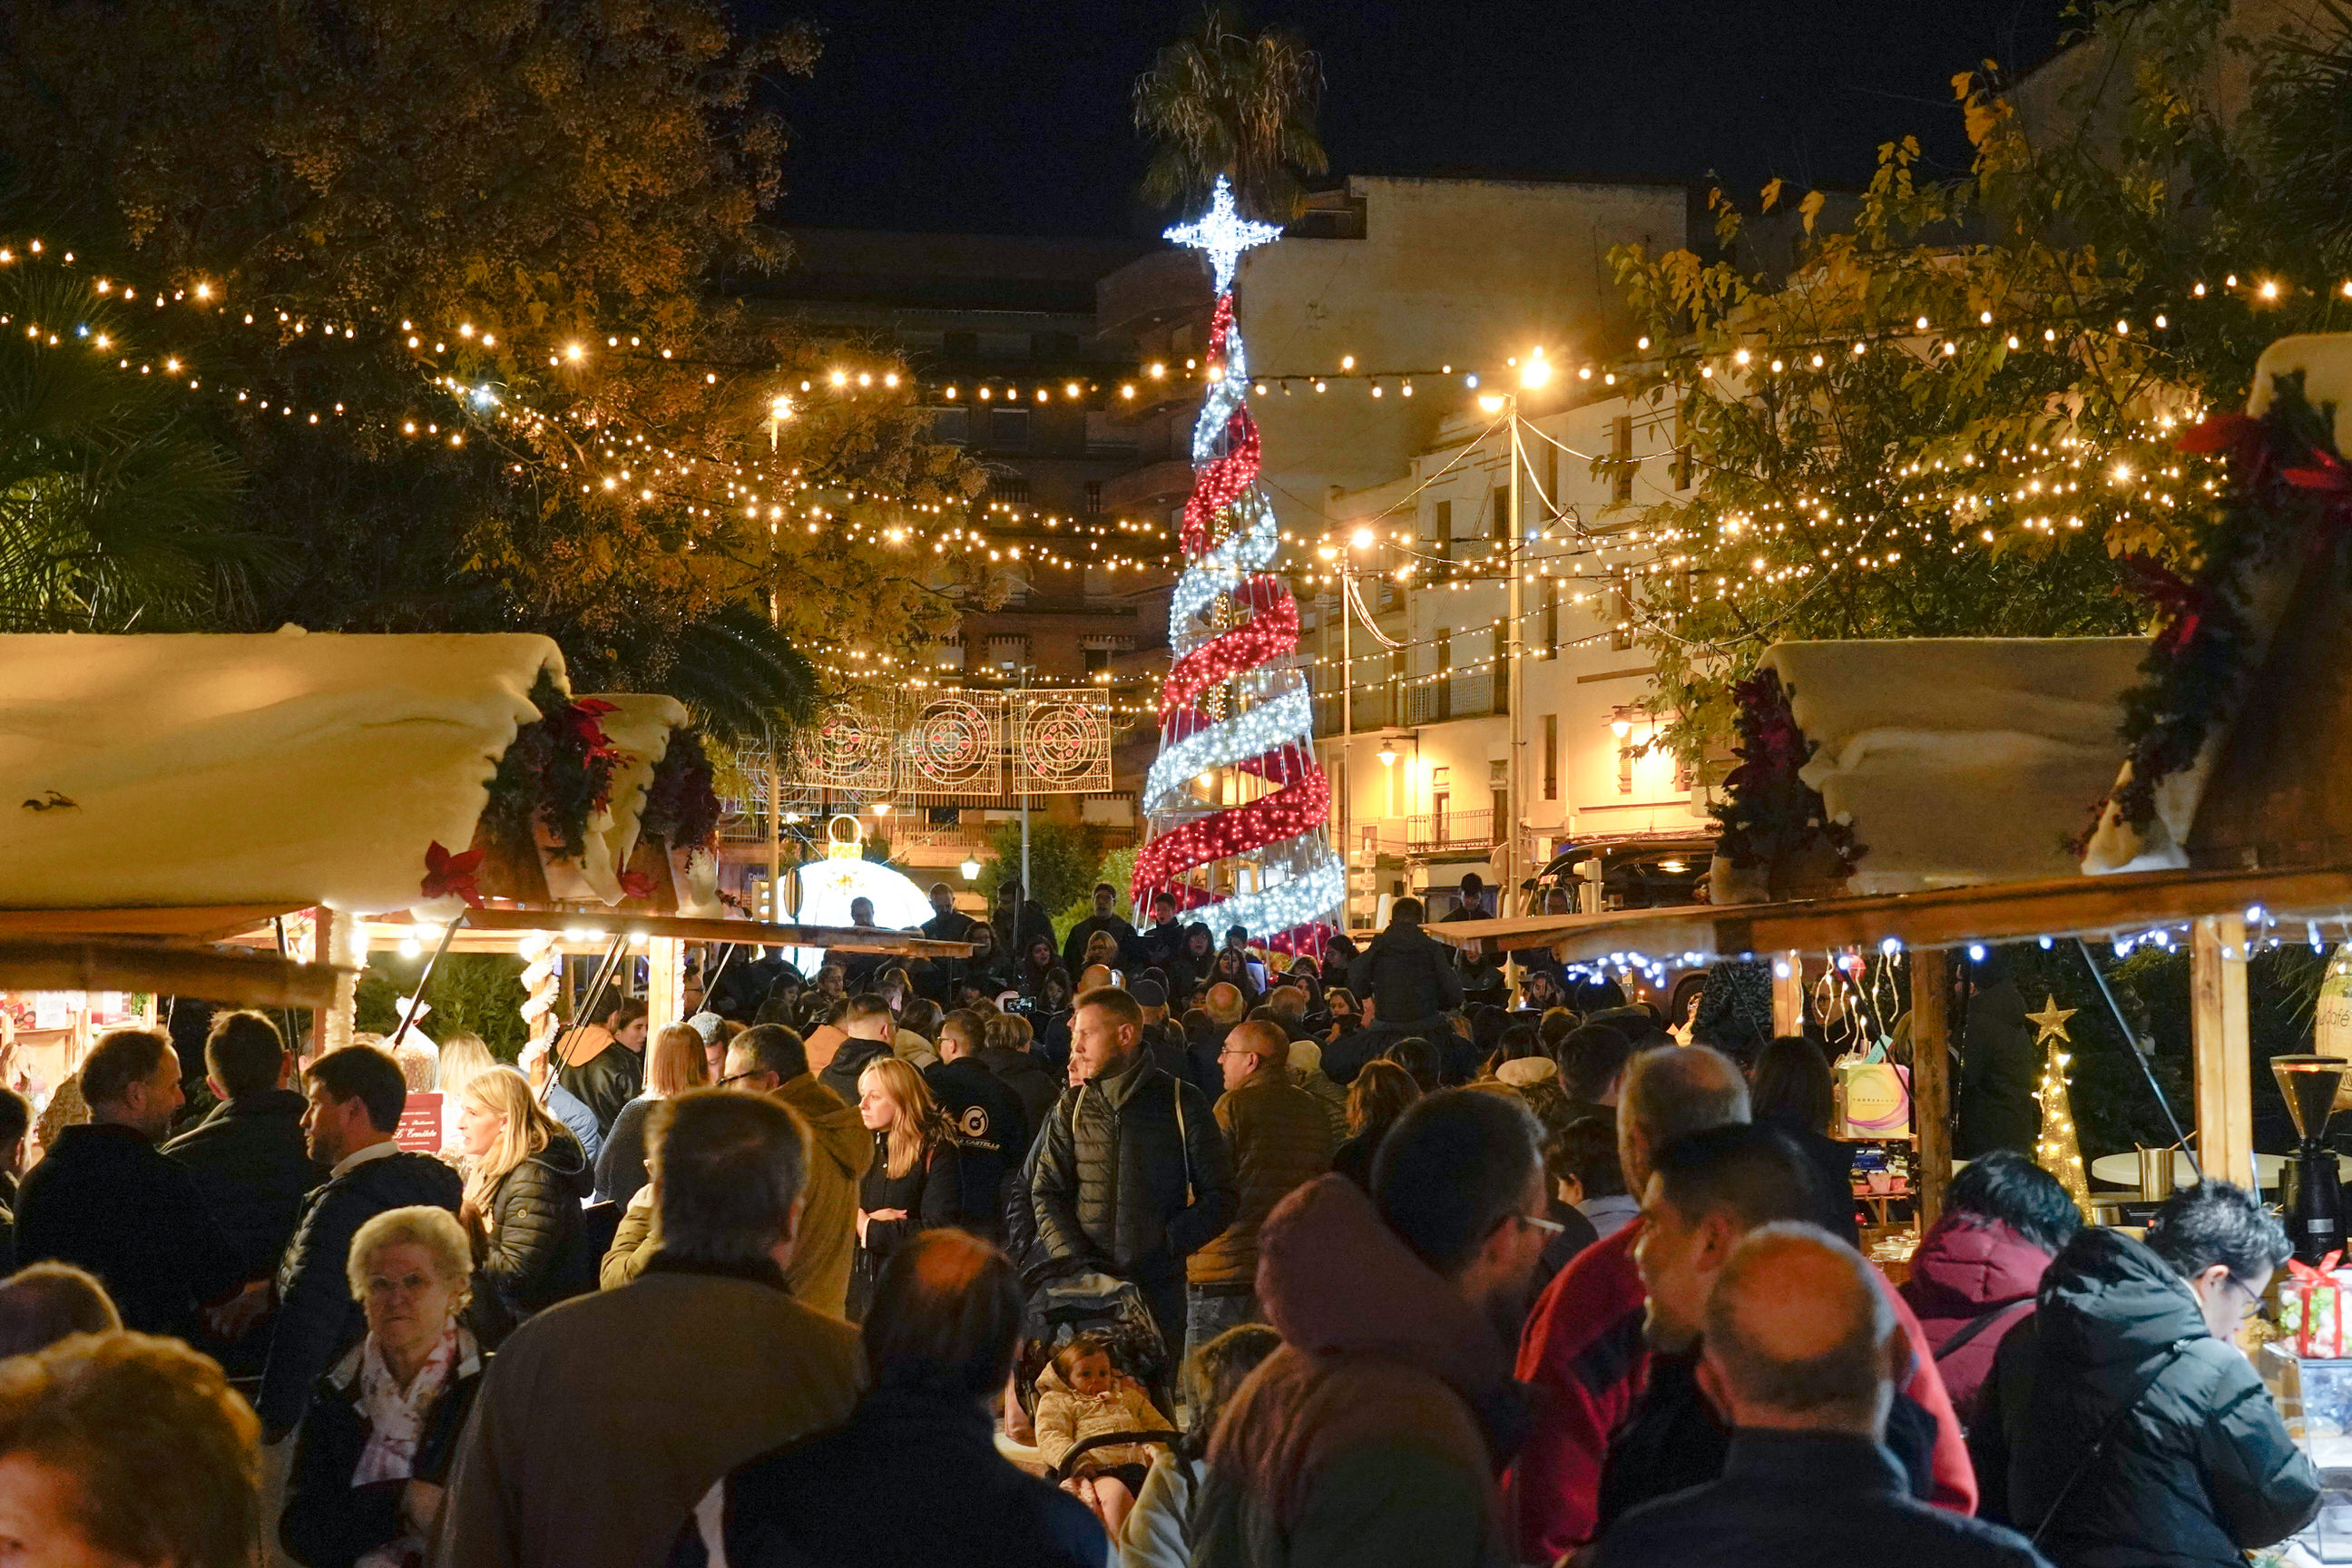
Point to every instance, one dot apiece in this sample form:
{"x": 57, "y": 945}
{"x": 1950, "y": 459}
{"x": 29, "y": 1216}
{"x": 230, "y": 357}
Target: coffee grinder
{"x": 2316, "y": 1207}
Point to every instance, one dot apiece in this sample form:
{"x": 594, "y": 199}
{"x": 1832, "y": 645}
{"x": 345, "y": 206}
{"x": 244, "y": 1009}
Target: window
{"x": 1441, "y": 530}
{"x": 1499, "y": 513}
{"x": 1552, "y": 589}
{"x": 951, "y": 425}
{"x": 1097, "y": 658}
{"x": 1499, "y": 667}
{"x": 1551, "y": 476}
{"x": 1620, "y": 447}
{"x": 1008, "y": 429}
{"x": 1551, "y": 756}
{"x": 1498, "y": 791}
{"x": 1009, "y": 488}
{"x": 1094, "y": 497}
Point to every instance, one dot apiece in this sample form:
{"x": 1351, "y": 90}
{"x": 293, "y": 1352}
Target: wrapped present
{"x": 2311, "y": 1308}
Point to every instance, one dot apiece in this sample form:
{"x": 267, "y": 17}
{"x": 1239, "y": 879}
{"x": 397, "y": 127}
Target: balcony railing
{"x": 1437, "y": 832}
{"x": 1470, "y": 696}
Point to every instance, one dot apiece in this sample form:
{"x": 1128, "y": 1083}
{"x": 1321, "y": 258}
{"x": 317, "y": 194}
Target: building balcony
{"x": 1470, "y": 696}
{"x": 1447, "y": 832}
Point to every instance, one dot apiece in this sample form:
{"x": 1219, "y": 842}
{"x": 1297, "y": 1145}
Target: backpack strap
{"x": 2108, "y": 1430}
{"x": 1183, "y": 1141}
{"x": 1979, "y": 1323}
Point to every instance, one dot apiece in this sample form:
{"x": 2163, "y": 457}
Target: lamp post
{"x": 1534, "y": 373}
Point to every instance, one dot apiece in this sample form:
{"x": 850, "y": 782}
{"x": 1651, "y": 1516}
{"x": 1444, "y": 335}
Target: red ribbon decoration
{"x": 1270, "y": 819}
{"x": 448, "y": 875}
{"x": 2184, "y": 601}
{"x": 2308, "y": 1275}
{"x": 636, "y": 885}
{"x": 1267, "y": 635}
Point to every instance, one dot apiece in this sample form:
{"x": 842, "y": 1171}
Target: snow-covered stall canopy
{"x": 2251, "y": 761}
{"x": 1955, "y": 761}
{"x": 362, "y": 773}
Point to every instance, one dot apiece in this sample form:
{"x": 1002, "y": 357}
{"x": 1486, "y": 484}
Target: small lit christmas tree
{"x": 2057, "y": 1150}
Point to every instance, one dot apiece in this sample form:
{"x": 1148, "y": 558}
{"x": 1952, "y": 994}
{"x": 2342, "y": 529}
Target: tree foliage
{"x": 116, "y": 511}
{"x": 1956, "y": 413}
{"x": 487, "y": 235}
{"x": 1226, "y": 101}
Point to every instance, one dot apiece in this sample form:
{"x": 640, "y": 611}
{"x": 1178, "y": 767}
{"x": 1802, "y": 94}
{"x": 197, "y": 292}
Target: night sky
{"x": 1013, "y": 118}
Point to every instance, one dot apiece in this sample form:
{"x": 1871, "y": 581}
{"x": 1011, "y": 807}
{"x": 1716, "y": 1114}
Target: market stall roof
{"x": 108, "y": 963}
{"x": 495, "y": 927}
{"x": 1960, "y": 760}
{"x": 290, "y": 768}
{"x": 2125, "y": 904}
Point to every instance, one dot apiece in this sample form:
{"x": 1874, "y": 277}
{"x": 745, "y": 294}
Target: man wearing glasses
{"x": 1281, "y": 1140}
{"x": 770, "y": 1059}
{"x": 2124, "y": 1417}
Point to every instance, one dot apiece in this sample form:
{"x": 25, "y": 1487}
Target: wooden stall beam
{"x": 1931, "y": 1077}
{"x": 2221, "y": 1047}
{"x": 1788, "y": 993}
{"x": 665, "y": 982}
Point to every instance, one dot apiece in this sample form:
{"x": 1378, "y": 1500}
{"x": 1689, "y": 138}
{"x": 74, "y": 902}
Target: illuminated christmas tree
{"x": 2057, "y": 1150}
{"x": 1236, "y": 802}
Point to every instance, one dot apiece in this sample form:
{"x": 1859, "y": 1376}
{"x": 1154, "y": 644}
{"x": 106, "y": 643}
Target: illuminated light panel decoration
{"x": 1238, "y": 808}
{"x": 827, "y": 887}
{"x": 2057, "y": 1148}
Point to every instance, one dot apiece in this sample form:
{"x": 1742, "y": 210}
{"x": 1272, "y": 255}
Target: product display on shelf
{"x": 1238, "y": 806}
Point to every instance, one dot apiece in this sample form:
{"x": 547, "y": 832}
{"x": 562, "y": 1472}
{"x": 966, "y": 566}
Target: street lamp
{"x": 1388, "y": 753}
{"x": 970, "y": 869}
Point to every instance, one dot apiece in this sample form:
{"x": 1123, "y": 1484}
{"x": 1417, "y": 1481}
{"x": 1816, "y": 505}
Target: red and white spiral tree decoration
{"x": 1238, "y": 807}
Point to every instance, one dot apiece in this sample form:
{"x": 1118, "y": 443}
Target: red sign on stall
{"x": 420, "y": 1124}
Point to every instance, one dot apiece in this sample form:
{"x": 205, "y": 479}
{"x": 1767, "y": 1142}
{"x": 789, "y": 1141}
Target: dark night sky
{"x": 1013, "y": 118}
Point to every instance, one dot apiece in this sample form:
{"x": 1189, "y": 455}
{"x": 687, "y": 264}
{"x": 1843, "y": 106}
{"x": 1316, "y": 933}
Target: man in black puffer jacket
{"x": 355, "y": 1096}
{"x": 1132, "y": 1173}
{"x": 250, "y": 1159}
{"x": 1409, "y": 975}
{"x": 2132, "y": 1343}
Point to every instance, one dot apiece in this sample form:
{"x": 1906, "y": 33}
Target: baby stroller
{"x": 1062, "y": 1309}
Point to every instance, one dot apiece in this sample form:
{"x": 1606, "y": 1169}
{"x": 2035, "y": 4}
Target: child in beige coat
{"x": 1083, "y": 1396}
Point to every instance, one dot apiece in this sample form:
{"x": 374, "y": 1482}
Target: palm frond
{"x": 1225, "y": 101}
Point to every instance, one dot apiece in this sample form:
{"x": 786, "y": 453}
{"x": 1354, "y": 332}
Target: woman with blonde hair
{"x": 378, "y": 1439}
{"x": 464, "y": 1057}
{"x": 522, "y": 1201}
{"x": 913, "y": 1184}
{"x": 675, "y": 1063}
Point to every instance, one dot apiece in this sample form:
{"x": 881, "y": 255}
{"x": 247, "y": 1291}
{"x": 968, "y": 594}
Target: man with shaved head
{"x": 1803, "y": 1355}
{"x": 1281, "y": 1141}
{"x": 1583, "y": 1348}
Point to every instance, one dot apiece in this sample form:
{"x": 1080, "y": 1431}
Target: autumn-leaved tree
{"x": 479, "y": 243}
{"x": 1957, "y": 414}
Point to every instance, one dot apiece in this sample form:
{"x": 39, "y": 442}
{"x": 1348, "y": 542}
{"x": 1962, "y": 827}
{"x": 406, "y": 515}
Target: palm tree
{"x": 116, "y": 512}
{"x": 1222, "y": 101}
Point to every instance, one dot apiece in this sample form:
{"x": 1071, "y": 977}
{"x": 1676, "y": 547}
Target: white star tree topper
{"x": 1224, "y": 234}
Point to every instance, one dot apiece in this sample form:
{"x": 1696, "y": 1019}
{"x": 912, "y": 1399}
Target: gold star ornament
{"x": 2052, "y": 1022}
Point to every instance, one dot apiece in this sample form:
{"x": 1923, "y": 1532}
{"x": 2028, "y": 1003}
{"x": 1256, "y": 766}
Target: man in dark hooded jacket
{"x": 2122, "y": 1413}
{"x": 1408, "y": 975}
{"x": 1373, "y": 1437}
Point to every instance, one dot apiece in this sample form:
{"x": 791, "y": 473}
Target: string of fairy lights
{"x": 2030, "y": 488}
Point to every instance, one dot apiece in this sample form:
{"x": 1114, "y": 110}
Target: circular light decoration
{"x": 951, "y": 742}
{"x": 1061, "y": 742}
{"x": 846, "y": 751}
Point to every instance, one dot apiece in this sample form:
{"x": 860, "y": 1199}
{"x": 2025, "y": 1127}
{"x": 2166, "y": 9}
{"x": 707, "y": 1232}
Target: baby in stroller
{"x": 1084, "y": 1403}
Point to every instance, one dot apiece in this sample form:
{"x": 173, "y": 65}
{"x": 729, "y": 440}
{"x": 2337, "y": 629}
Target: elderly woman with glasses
{"x": 382, "y": 1425}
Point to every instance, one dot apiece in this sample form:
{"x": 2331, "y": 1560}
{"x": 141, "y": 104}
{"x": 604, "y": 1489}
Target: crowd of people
{"x": 1143, "y": 1245}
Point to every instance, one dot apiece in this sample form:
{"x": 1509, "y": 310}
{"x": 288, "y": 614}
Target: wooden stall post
{"x": 340, "y": 938}
{"x": 665, "y": 982}
{"x": 1788, "y": 993}
{"x": 1931, "y": 1077}
{"x": 2221, "y": 1047}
